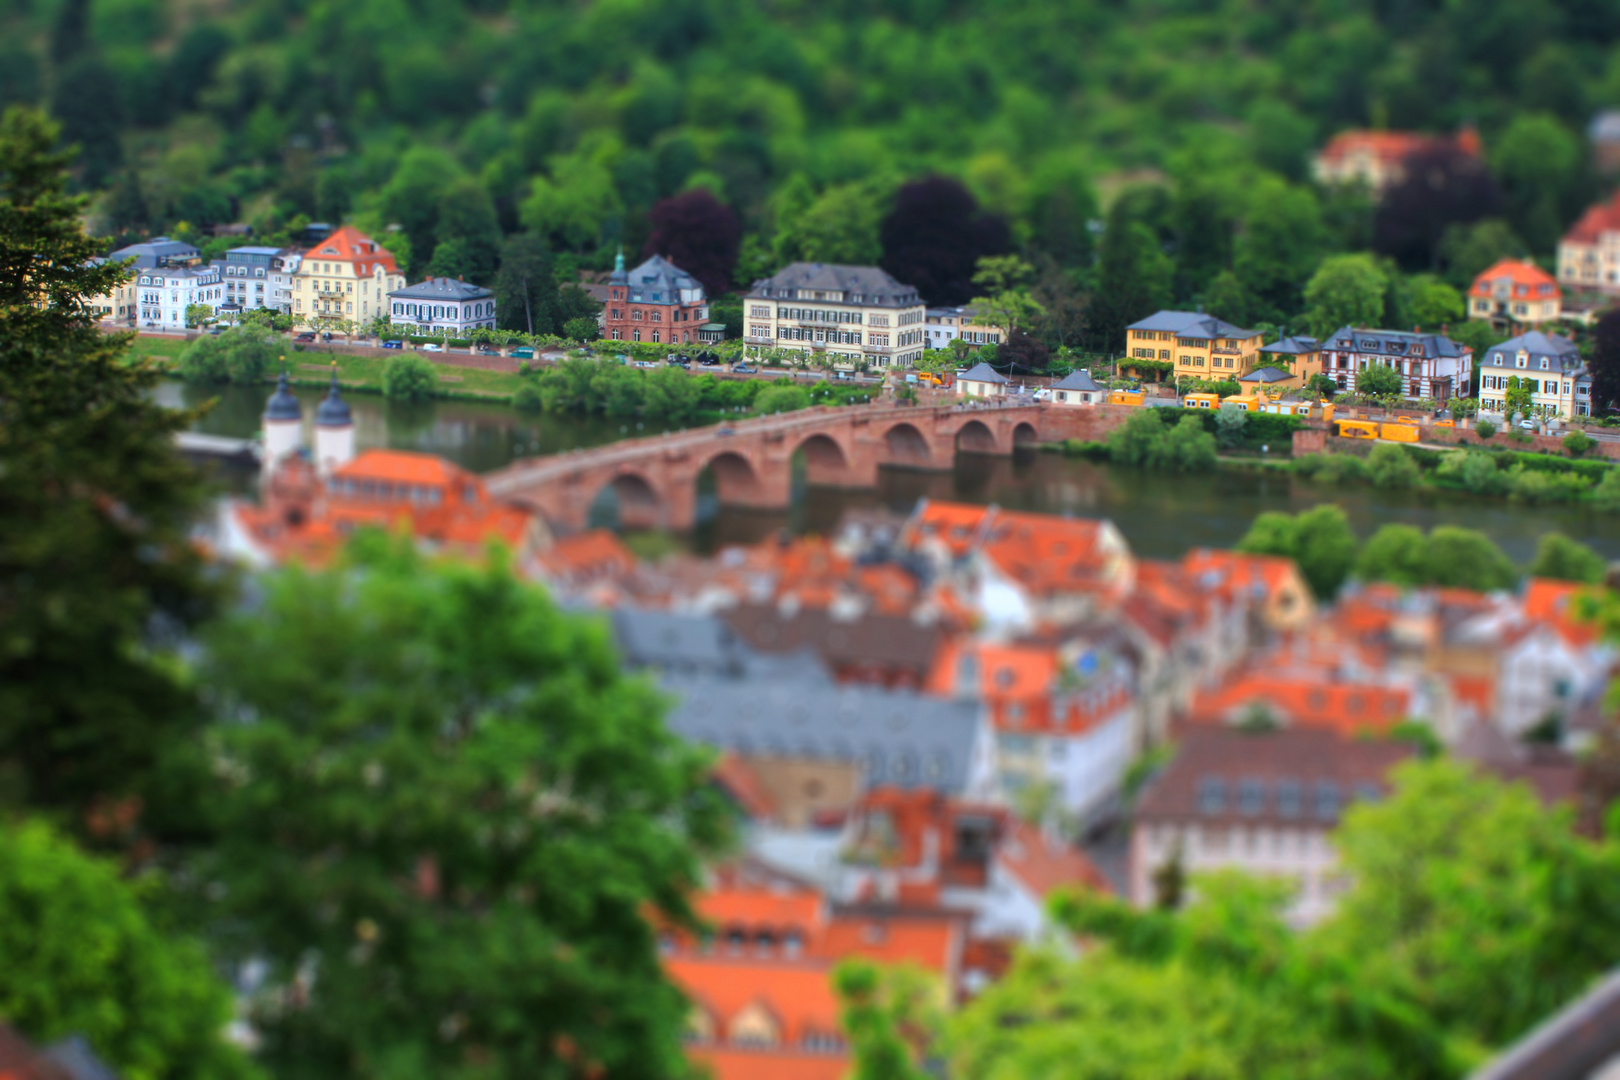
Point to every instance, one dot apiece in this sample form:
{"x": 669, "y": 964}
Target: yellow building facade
{"x": 1200, "y": 346}
{"x": 346, "y": 277}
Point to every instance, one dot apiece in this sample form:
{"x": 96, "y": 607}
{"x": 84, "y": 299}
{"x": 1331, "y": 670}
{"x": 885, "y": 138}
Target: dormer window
{"x": 1543, "y": 363}
{"x": 1520, "y": 361}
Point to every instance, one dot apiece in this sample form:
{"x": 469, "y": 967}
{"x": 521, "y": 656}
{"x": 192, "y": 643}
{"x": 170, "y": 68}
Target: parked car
{"x": 708, "y": 359}
{"x": 489, "y": 350}
{"x": 744, "y": 369}
{"x": 216, "y": 330}
{"x": 1528, "y": 425}
{"x": 432, "y": 347}
{"x": 307, "y": 335}
{"x": 326, "y": 336}
{"x": 393, "y": 344}
{"x": 523, "y": 353}
{"x": 726, "y": 431}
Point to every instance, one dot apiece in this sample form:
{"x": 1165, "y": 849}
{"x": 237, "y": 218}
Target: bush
{"x": 1319, "y": 541}
{"x": 1448, "y": 556}
{"x": 1473, "y": 471}
{"x": 243, "y": 355}
{"x": 1466, "y": 559}
{"x": 1230, "y": 421}
{"x": 527, "y": 399}
{"x": 1137, "y": 440}
{"x": 1146, "y": 442}
{"x": 1484, "y": 429}
{"x": 1188, "y": 447}
{"x": 1606, "y": 496}
{"x": 1536, "y": 486}
{"x": 409, "y": 378}
{"x": 1559, "y": 557}
{"x": 1519, "y": 435}
{"x": 1390, "y": 466}
{"x": 781, "y": 397}
{"x": 1577, "y": 443}
{"x": 1331, "y": 468}
{"x": 581, "y": 329}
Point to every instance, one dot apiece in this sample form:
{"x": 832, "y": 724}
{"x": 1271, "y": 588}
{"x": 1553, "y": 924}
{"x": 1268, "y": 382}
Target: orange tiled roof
{"x": 402, "y": 467}
{"x": 1393, "y": 147}
{"x": 955, "y": 525}
{"x": 589, "y": 554}
{"x": 769, "y": 1063}
{"x": 1043, "y": 864}
{"x": 1555, "y": 603}
{"x": 1528, "y": 280}
{"x": 433, "y": 500}
{"x": 931, "y": 943}
{"x": 1308, "y": 698}
{"x": 741, "y": 782}
{"x": 1235, "y": 574}
{"x": 350, "y": 245}
{"x": 798, "y": 994}
{"x": 1043, "y": 553}
{"x": 1021, "y": 685}
{"x": 1601, "y": 218}
{"x": 762, "y": 908}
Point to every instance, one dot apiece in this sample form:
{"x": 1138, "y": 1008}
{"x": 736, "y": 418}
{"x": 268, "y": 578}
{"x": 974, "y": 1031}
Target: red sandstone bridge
{"x": 655, "y": 479}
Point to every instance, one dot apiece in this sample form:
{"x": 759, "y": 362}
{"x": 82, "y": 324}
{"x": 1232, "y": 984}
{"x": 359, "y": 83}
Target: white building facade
{"x": 165, "y": 293}
{"x": 442, "y": 306}
{"x": 1430, "y": 365}
{"x": 847, "y": 314}
{"x": 245, "y": 274}
{"x": 1550, "y": 365}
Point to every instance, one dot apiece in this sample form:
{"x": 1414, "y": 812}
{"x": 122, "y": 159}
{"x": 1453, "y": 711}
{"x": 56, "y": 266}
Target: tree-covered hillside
{"x": 463, "y": 120}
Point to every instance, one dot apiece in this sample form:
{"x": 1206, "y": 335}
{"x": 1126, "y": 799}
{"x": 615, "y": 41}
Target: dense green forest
{"x": 470, "y": 122}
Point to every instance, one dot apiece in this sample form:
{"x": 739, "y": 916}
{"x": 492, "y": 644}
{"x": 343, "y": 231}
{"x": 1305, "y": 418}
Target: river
{"x": 1162, "y": 515}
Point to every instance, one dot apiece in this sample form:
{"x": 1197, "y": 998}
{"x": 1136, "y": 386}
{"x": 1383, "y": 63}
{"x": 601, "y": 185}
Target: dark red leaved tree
{"x": 935, "y": 236}
{"x": 698, "y": 233}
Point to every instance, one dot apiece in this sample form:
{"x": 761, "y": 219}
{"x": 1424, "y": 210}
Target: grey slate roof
{"x": 898, "y": 738}
{"x": 1563, "y": 351}
{"x": 982, "y": 373}
{"x": 282, "y": 405}
{"x": 1293, "y": 346}
{"x": 1191, "y": 324}
{"x": 732, "y": 697}
{"x": 1266, "y": 375}
{"x": 1391, "y": 343}
{"x": 1079, "y": 379}
{"x": 690, "y": 644}
{"x": 875, "y": 287}
{"x": 659, "y": 281}
{"x": 333, "y": 411}
{"x": 253, "y": 251}
{"x": 156, "y": 252}
{"x": 442, "y": 289}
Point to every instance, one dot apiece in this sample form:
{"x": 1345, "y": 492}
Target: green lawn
{"x": 309, "y": 368}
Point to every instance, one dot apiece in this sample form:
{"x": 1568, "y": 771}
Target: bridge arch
{"x": 1025, "y": 437}
{"x": 736, "y": 481}
{"x": 628, "y": 500}
{"x": 826, "y": 462}
{"x": 906, "y": 445}
{"x": 975, "y": 437}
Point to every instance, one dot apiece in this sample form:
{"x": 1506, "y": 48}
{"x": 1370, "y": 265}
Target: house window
{"x": 1211, "y": 795}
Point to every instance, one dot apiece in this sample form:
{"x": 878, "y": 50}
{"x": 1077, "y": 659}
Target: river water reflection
{"x": 1161, "y": 515}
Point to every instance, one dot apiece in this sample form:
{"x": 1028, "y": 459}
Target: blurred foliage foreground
{"x": 404, "y": 819}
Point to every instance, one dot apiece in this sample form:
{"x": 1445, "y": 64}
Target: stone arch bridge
{"x": 655, "y": 478}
